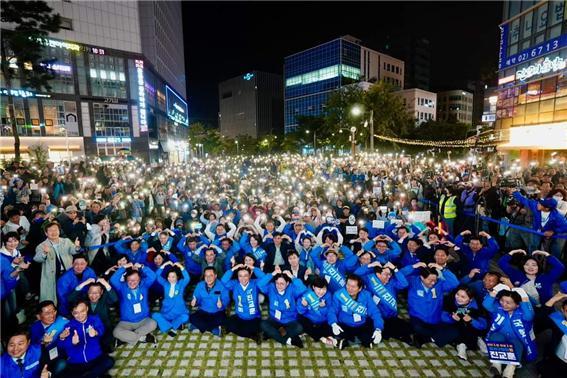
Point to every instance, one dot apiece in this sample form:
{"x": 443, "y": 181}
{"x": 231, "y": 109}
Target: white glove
{"x": 336, "y": 329}
{"x": 500, "y": 287}
{"x": 377, "y": 336}
{"x": 522, "y": 292}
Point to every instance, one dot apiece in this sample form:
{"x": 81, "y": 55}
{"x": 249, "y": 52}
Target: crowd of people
{"x": 99, "y": 254}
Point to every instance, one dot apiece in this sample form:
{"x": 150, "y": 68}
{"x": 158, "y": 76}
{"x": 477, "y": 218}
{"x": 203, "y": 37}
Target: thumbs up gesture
{"x": 194, "y": 302}
{"x": 45, "y": 373}
{"x": 219, "y": 303}
{"x": 75, "y": 338}
{"x": 92, "y": 331}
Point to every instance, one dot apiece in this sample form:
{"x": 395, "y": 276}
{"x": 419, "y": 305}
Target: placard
{"x": 379, "y": 224}
{"x": 420, "y": 216}
{"x": 351, "y": 230}
{"x": 499, "y": 353}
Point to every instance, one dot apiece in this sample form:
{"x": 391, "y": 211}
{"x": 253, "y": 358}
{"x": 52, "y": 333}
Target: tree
{"x": 391, "y": 117}
{"x": 22, "y": 48}
{"x": 440, "y": 130}
{"x": 40, "y": 154}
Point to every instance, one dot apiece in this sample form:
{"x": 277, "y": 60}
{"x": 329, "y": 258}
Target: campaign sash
{"x": 350, "y": 304}
{"x": 382, "y": 292}
{"x": 334, "y": 274}
{"x": 312, "y": 300}
{"x": 519, "y": 331}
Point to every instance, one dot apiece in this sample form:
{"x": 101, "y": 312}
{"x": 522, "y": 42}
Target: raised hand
{"x": 194, "y": 302}
{"x": 75, "y": 338}
{"x": 66, "y": 332}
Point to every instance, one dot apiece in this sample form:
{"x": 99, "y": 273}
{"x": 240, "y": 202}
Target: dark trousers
{"x": 441, "y": 333}
{"x": 397, "y": 328}
{"x": 241, "y": 327}
{"x": 93, "y": 369}
{"x": 316, "y": 331}
{"x": 279, "y": 331}
{"x": 363, "y": 333}
{"x": 206, "y": 321}
{"x": 467, "y": 335}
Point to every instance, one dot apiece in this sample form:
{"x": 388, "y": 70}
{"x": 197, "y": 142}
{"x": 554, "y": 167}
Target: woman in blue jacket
{"x": 528, "y": 272}
{"x": 512, "y": 322}
{"x": 466, "y": 317}
{"x": 247, "y": 313}
{"x": 427, "y": 286}
{"x": 174, "y": 313}
{"x": 282, "y": 290}
{"x": 250, "y": 244}
{"x": 313, "y": 307}
{"x": 81, "y": 342}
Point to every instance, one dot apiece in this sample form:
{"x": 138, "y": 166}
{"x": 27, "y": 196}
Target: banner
{"x": 501, "y": 353}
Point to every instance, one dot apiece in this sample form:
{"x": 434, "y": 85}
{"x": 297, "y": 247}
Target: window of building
{"x": 557, "y": 12}
{"x": 54, "y": 117}
{"x": 541, "y": 18}
{"x": 66, "y": 23}
{"x": 107, "y": 76}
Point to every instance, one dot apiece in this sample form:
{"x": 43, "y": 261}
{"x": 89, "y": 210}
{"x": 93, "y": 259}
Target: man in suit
{"x": 277, "y": 252}
{"x": 297, "y": 270}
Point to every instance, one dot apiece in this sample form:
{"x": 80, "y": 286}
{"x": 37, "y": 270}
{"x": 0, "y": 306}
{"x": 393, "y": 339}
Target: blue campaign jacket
{"x": 391, "y": 255}
{"x": 342, "y": 266}
{"x": 556, "y": 222}
{"x": 67, "y": 283}
{"x": 37, "y": 331}
{"x": 173, "y": 306}
{"x": 88, "y": 348}
{"x": 478, "y": 321}
{"x": 32, "y": 366}
{"x": 338, "y": 313}
{"x": 139, "y": 257}
{"x": 427, "y": 304}
{"x": 7, "y": 283}
{"x": 245, "y": 300}
{"x": 259, "y": 253}
{"x": 318, "y": 314}
{"x": 481, "y": 259}
{"x": 128, "y": 301}
{"x": 397, "y": 282}
{"x": 543, "y": 282}
{"x": 207, "y": 299}
{"x": 282, "y": 307}
{"x": 191, "y": 265}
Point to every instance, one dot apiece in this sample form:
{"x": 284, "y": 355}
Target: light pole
{"x": 353, "y": 146}
{"x": 356, "y": 111}
{"x": 236, "y": 142}
{"x": 314, "y": 140}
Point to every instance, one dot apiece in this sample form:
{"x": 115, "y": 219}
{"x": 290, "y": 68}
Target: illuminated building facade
{"x": 310, "y": 76}
{"x": 104, "y": 102}
{"x": 531, "y": 107}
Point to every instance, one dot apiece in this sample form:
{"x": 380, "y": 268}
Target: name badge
{"x": 357, "y": 318}
{"x": 137, "y": 308}
{"x": 278, "y": 314}
{"x": 433, "y": 293}
{"x": 420, "y": 293}
{"x": 53, "y": 353}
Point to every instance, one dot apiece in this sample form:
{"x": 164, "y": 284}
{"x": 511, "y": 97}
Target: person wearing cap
{"x": 76, "y": 278}
{"x": 545, "y": 219}
{"x": 331, "y": 268}
{"x": 72, "y": 226}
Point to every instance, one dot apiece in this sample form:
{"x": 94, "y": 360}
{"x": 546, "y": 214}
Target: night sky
{"x": 223, "y": 40}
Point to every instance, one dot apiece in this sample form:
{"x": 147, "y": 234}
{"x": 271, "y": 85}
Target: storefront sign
{"x": 503, "y": 46}
{"x": 141, "y": 95}
{"x": 248, "y": 76}
{"x": 533, "y": 52}
{"x": 540, "y": 68}
{"x": 176, "y": 107}
{"x": 60, "y": 44}
{"x": 21, "y": 93}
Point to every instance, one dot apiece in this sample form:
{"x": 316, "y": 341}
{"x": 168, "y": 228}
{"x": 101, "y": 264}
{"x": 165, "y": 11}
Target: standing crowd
{"x": 99, "y": 254}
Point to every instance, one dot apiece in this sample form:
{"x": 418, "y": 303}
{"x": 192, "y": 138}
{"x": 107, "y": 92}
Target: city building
{"x": 251, "y": 104}
{"x": 107, "y": 98}
{"x": 489, "y": 107}
{"x": 531, "y": 111}
{"x": 420, "y": 103}
{"x": 455, "y": 106}
{"x": 415, "y": 51}
{"x": 310, "y": 76}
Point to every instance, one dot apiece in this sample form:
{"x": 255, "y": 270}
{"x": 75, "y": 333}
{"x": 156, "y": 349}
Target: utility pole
{"x": 371, "y": 130}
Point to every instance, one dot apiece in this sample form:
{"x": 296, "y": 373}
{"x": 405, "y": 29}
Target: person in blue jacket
{"x": 554, "y": 363}
{"x": 333, "y": 269}
{"x": 136, "y": 252}
{"x": 526, "y": 271}
{"x": 247, "y": 313}
{"x": 81, "y": 342}
{"x": 188, "y": 246}
{"x": 174, "y": 313}
{"x": 22, "y": 359}
{"x": 135, "y": 322}
{"x": 45, "y": 331}
{"x": 313, "y": 308}
{"x": 384, "y": 282}
{"x": 427, "y": 286}
{"x": 512, "y": 318}
{"x": 475, "y": 254}
{"x": 212, "y": 298}
{"x": 385, "y": 249}
{"x": 282, "y": 290}
{"x": 251, "y": 244}
{"x": 71, "y": 279}
{"x": 353, "y": 313}
{"x": 464, "y": 314}
{"x": 413, "y": 252}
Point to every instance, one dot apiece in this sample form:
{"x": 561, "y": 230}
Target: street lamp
{"x": 236, "y": 142}
{"x": 314, "y": 140}
{"x": 353, "y": 142}
{"x": 356, "y": 111}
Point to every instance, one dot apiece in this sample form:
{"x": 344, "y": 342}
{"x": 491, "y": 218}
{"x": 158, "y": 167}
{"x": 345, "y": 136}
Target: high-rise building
{"x": 107, "y": 98}
{"x": 415, "y": 51}
{"x": 531, "y": 110}
{"x": 313, "y": 74}
{"x": 422, "y": 105}
{"x": 455, "y": 106}
{"x": 251, "y": 104}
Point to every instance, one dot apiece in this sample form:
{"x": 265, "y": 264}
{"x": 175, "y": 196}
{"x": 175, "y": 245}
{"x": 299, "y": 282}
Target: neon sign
{"x": 21, "y": 93}
{"x": 141, "y": 95}
{"x": 248, "y": 76}
{"x": 176, "y": 107}
{"x": 544, "y": 67}
{"x": 60, "y": 44}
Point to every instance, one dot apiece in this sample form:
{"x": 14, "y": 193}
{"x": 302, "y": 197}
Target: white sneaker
{"x": 462, "y": 351}
{"x": 482, "y": 346}
{"x": 509, "y": 371}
